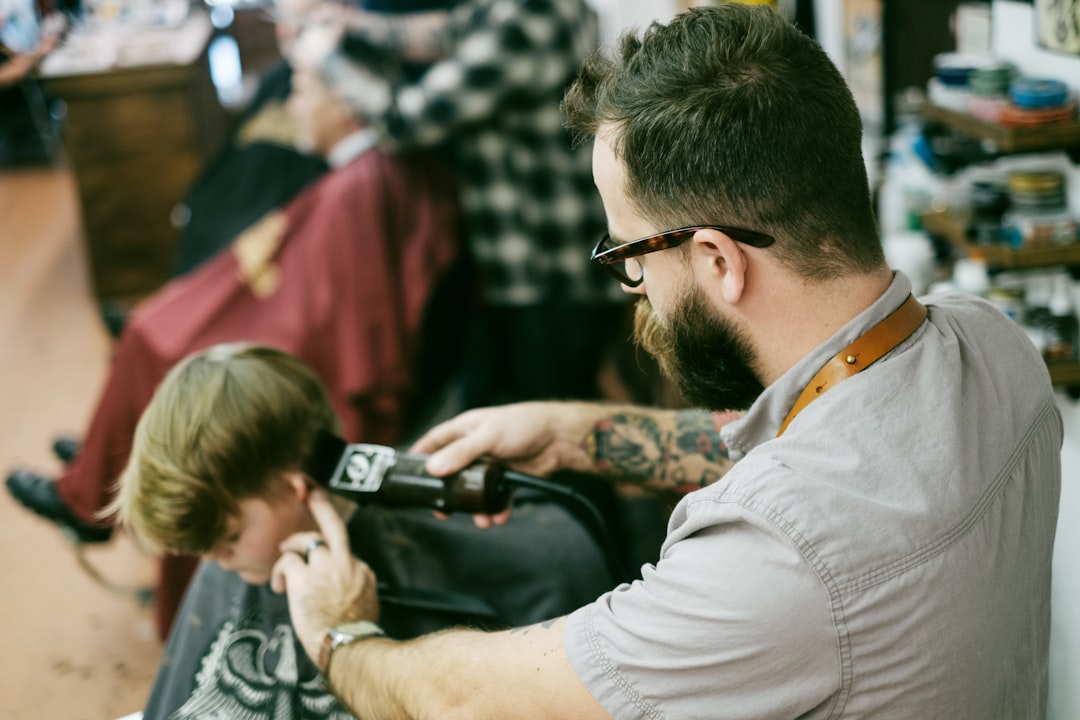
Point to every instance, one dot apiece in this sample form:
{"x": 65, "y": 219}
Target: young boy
{"x": 215, "y": 471}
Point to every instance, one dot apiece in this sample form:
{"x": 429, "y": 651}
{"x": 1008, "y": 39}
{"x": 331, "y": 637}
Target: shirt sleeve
{"x": 503, "y": 52}
{"x": 732, "y": 622}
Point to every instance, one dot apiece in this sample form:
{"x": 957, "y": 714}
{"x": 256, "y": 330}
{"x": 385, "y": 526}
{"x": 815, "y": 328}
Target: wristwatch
{"x": 344, "y": 634}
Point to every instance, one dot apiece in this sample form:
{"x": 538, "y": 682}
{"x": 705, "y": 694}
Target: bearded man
{"x": 871, "y": 539}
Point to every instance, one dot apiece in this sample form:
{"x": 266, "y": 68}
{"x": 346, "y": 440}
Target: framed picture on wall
{"x": 1057, "y": 24}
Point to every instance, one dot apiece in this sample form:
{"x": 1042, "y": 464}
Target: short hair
{"x": 731, "y": 115}
{"x": 224, "y": 425}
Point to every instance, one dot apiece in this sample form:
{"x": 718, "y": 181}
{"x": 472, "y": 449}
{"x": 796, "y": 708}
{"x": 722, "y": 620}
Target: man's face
{"x": 704, "y": 354}
{"x": 290, "y": 16}
{"x": 316, "y": 113}
{"x": 625, "y": 223}
{"x": 252, "y": 538}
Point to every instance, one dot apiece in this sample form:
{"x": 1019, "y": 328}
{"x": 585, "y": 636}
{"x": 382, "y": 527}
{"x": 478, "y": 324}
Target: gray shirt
{"x": 887, "y": 557}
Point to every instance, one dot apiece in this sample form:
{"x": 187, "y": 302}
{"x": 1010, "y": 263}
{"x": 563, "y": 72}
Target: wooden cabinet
{"x": 136, "y": 136}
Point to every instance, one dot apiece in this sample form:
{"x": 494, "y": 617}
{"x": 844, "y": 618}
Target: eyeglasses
{"x": 614, "y": 257}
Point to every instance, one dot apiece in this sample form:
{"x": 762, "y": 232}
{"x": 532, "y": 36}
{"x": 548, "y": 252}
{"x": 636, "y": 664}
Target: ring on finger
{"x": 312, "y": 547}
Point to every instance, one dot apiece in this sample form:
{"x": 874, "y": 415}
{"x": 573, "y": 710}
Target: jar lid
{"x": 1010, "y": 115}
{"x": 1035, "y": 181}
{"x": 1036, "y": 93}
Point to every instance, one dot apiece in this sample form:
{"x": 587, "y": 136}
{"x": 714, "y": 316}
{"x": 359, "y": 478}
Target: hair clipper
{"x": 381, "y": 475}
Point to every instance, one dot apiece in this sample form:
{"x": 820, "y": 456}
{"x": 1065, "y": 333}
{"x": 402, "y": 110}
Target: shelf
{"x": 997, "y": 257}
{"x": 1009, "y": 140}
{"x": 1064, "y": 373}
{"x": 954, "y": 229}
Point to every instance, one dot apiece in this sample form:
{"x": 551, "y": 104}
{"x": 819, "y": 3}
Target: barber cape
{"x": 340, "y": 277}
{"x": 233, "y": 653}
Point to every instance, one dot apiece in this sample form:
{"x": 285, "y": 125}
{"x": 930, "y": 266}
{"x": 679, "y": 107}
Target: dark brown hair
{"x": 732, "y": 116}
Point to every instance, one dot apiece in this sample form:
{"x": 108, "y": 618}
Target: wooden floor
{"x": 73, "y": 647}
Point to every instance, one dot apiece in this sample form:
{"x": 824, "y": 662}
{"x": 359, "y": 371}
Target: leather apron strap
{"x": 861, "y": 354}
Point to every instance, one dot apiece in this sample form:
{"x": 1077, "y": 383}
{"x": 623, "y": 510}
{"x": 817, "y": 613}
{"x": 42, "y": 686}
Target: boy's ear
{"x": 299, "y": 484}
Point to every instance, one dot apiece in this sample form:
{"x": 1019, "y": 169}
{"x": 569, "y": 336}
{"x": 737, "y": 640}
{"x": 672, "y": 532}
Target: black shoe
{"x": 66, "y": 448}
{"x": 115, "y": 317}
{"x": 39, "y": 495}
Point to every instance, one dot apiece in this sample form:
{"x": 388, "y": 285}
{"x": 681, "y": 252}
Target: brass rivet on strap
{"x": 866, "y": 350}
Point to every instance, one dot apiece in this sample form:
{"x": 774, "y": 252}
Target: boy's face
{"x": 251, "y": 543}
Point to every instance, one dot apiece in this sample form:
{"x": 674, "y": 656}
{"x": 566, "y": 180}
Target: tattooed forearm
{"x": 666, "y": 451}
{"x": 629, "y": 447}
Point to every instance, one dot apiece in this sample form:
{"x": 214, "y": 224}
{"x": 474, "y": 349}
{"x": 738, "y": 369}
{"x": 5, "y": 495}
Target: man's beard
{"x": 703, "y": 354}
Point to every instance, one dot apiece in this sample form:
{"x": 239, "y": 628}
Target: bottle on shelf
{"x": 1062, "y": 331}
{"x": 1037, "y": 291}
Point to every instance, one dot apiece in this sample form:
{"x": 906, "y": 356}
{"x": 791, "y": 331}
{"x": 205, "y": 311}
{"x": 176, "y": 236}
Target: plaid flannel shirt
{"x": 531, "y": 209}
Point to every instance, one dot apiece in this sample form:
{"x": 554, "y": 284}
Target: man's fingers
{"x": 330, "y": 523}
{"x": 459, "y": 454}
{"x": 484, "y": 522}
{"x": 458, "y": 441}
{"x": 288, "y": 564}
{"x": 305, "y": 545}
{"x": 439, "y": 436}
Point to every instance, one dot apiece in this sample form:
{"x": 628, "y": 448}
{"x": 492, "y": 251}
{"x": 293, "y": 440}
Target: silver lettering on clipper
{"x": 362, "y": 468}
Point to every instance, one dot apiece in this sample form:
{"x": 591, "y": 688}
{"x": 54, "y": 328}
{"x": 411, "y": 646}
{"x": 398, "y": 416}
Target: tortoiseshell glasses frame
{"x": 612, "y": 256}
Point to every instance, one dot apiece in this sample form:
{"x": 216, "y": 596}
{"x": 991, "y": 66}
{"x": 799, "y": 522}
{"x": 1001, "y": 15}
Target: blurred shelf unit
{"x": 996, "y": 258}
{"x": 953, "y": 228}
{"x": 1006, "y": 140}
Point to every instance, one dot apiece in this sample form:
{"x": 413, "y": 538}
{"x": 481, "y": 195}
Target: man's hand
{"x": 537, "y": 438}
{"x": 331, "y": 586}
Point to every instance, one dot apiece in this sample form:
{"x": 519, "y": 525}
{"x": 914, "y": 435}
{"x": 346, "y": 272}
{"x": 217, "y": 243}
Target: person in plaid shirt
{"x": 530, "y": 206}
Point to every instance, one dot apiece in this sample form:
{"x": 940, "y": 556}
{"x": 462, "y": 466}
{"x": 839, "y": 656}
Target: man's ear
{"x": 726, "y": 262}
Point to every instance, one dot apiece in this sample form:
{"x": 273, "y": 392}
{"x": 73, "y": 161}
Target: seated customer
{"x": 260, "y": 167}
{"x": 215, "y": 470}
{"x": 341, "y": 276}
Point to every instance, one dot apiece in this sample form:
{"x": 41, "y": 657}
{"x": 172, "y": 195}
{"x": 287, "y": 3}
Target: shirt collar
{"x": 763, "y": 419}
{"x": 351, "y": 147}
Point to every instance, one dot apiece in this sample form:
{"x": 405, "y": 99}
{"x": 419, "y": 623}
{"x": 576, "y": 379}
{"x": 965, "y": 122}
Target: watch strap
{"x": 344, "y": 634}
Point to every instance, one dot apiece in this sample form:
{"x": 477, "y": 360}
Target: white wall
{"x": 618, "y": 15}
{"x": 1065, "y": 623}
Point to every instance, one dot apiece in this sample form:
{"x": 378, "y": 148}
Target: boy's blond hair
{"x": 224, "y": 425}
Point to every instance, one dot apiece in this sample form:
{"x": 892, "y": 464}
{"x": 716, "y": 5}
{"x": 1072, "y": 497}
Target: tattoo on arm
{"x": 629, "y": 446}
{"x": 678, "y": 451}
